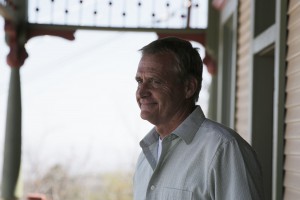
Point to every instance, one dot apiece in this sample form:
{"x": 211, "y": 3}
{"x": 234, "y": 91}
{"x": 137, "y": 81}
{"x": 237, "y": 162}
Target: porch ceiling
{"x": 121, "y": 15}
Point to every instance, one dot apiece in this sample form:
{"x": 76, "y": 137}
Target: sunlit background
{"x": 78, "y": 102}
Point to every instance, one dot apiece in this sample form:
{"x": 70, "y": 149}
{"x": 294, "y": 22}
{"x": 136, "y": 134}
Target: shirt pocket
{"x": 175, "y": 194}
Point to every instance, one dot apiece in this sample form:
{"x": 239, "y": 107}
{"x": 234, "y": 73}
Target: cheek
{"x": 173, "y": 94}
{"x": 138, "y": 102}
{"x": 166, "y": 94}
{"x": 137, "y": 96}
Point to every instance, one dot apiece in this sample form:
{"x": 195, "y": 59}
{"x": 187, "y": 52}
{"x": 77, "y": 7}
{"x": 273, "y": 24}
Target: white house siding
{"x": 243, "y": 70}
{"x": 292, "y": 134}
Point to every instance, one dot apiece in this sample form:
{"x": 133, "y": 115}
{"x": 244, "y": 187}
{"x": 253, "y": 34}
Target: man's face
{"x": 160, "y": 94}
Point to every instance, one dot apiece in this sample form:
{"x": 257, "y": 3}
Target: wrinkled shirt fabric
{"x": 200, "y": 160}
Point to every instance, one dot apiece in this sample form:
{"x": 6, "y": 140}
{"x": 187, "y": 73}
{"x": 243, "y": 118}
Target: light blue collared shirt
{"x": 200, "y": 160}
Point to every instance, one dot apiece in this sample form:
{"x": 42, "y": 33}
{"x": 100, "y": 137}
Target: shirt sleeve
{"x": 235, "y": 173}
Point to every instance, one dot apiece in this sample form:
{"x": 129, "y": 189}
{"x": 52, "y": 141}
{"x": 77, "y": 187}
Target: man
{"x": 186, "y": 156}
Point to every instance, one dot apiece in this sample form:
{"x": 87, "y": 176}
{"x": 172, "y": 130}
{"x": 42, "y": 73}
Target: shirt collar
{"x": 186, "y": 130}
{"x": 150, "y": 138}
{"x": 189, "y": 127}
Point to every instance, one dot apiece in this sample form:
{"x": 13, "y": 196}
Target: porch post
{"x": 12, "y": 144}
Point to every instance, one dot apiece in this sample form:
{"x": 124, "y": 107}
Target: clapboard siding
{"x": 293, "y": 82}
{"x": 293, "y": 66}
{"x": 292, "y": 132}
{"x": 243, "y": 62}
{"x": 292, "y": 119}
{"x": 293, "y": 99}
{"x": 291, "y": 194}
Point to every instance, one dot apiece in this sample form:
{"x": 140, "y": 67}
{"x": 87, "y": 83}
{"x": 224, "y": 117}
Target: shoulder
{"x": 220, "y": 132}
{"x": 234, "y": 164}
{"x": 219, "y": 138}
{"x": 227, "y": 142}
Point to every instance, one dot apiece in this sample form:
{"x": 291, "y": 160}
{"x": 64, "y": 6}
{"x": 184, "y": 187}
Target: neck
{"x": 165, "y": 129}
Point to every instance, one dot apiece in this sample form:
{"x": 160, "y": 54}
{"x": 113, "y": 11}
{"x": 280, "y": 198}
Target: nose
{"x": 143, "y": 90}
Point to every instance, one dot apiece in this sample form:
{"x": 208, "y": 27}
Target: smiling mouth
{"x": 147, "y": 105}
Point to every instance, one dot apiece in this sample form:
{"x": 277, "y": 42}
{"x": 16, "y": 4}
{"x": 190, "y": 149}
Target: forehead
{"x": 157, "y": 63}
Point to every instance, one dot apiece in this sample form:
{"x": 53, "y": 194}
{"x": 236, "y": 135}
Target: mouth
{"x": 146, "y": 106}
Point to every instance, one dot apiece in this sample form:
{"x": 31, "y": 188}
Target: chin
{"x": 147, "y": 117}
{"x": 144, "y": 116}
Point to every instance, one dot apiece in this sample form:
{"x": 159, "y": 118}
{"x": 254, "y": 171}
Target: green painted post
{"x": 12, "y": 143}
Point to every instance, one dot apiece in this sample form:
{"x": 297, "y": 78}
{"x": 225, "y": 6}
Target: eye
{"x": 156, "y": 82}
{"x": 139, "y": 80}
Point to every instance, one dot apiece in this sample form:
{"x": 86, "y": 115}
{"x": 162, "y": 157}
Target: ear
{"x": 190, "y": 87}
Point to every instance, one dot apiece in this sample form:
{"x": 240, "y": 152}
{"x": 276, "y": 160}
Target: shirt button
{"x": 152, "y": 187}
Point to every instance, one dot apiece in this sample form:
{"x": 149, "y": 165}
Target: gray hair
{"x": 188, "y": 61}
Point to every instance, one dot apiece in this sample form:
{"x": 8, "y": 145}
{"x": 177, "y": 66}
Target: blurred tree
{"x": 58, "y": 184}
{"x": 116, "y": 186}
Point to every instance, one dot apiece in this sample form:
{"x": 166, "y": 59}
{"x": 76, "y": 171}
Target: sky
{"x": 78, "y": 101}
